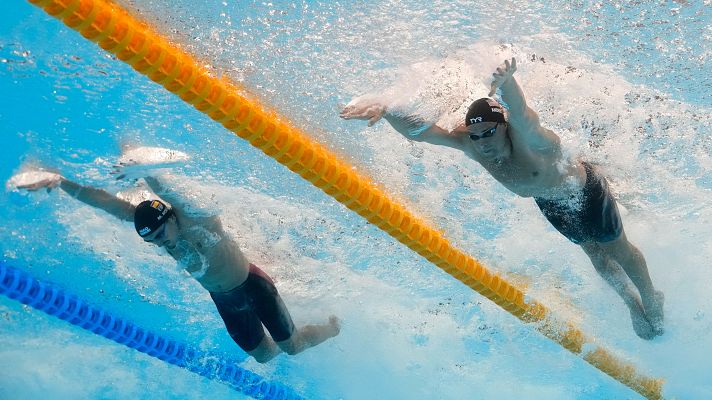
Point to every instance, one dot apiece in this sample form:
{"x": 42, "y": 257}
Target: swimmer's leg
{"x": 634, "y": 265}
{"x": 310, "y": 336}
{"x": 266, "y": 350}
{"x": 614, "y": 275}
{"x": 275, "y": 316}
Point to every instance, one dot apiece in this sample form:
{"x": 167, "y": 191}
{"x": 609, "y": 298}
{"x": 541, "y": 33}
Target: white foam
{"x": 146, "y": 155}
{"x": 142, "y": 161}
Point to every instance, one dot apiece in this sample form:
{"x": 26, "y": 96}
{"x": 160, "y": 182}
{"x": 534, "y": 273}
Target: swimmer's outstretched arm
{"x": 413, "y": 127}
{"x": 97, "y": 198}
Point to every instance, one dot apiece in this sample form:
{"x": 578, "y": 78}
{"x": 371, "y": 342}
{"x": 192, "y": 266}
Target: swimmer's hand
{"x": 502, "y": 75}
{"x": 128, "y": 172}
{"x": 35, "y": 180}
{"x": 364, "y": 110}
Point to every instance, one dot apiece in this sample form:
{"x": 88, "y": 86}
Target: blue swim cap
{"x": 150, "y": 215}
{"x": 484, "y": 110}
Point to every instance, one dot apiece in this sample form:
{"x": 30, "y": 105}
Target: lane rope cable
{"x": 132, "y": 41}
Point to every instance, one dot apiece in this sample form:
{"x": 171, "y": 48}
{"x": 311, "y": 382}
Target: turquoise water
{"x": 626, "y": 85}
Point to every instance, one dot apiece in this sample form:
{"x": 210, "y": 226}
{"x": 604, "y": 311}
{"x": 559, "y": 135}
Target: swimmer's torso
{"x": 209, "y": 255}
{"x": 538, "y": 173}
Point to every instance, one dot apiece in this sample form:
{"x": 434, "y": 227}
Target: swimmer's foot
{"x": 320, "y": 333}
{"x": 311, "y": 335}
{"x": 335, "y": 325}
{"x": 641, "y": 325}
{"x": 655, "y": 313}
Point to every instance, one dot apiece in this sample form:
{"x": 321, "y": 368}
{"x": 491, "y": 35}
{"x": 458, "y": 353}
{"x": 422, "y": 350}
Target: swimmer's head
{"x": 484, "y": 110}
{"x": 150, "y": 215}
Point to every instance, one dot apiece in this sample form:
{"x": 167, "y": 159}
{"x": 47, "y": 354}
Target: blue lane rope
{"x": 44, "y": 296}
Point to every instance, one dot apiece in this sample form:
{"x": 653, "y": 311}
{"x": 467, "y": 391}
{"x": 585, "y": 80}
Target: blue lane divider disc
{"x": 49, "y": 298}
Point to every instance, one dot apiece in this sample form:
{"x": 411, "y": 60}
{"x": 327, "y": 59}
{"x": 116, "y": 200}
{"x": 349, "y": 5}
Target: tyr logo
{"x": 475, "y": 120}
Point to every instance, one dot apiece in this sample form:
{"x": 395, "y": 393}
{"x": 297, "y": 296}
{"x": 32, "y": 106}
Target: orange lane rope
{"x": 132, "y": 41}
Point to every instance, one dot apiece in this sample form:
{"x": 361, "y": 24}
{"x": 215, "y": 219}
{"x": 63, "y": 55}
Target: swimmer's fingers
{"x": 371, "y": 112}
{"x": 30, "y": 187}
{"x": 124, "y": 164}
{"x": 348, "y": 112}
{"x": 506, "y": 71}
{"x": 118, "y": 172}
{"x": 498, "y": 79}
{"x": 509, "y": 68}
{"x": 123, "y": 176}
{"x": 493, "y": 90}
{"x": 120, "y": 175}
{"x": 32, "y": 180}
{"x": 501, "y": 75}
{"x": 49, "y": 184}
{"x": 356, "y": 111}
{"x": 122, "y": 170}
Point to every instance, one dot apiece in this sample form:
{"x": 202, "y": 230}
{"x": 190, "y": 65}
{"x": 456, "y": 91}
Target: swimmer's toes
{"x": 660, "y": 299}
{"x": 642, "y": 327}
{"x": 335, "y": 323}
{"x": 657, "y": 314}
{"x": 659, "y": 330}
{"x": 644, "y": 332}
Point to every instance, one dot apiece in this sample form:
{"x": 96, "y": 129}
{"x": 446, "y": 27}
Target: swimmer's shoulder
{"x": 204, "y": 232}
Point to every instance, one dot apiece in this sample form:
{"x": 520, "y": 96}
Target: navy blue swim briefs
{"x": 247, "y": 307}
{"x": 592, "y": 216}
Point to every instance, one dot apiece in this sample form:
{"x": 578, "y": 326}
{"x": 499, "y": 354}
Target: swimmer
{"x": 527, "y": 159}
{"x": 245, "y": 297}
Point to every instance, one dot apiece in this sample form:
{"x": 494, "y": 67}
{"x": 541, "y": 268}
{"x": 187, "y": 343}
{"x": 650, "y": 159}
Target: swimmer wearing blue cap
{"x": 245, "y": 297}
{"x": 527, "y": 159}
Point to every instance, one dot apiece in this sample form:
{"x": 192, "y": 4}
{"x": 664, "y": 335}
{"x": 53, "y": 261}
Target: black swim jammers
{"x": 592, "y": 216}
{"x": 255, "y": 302}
